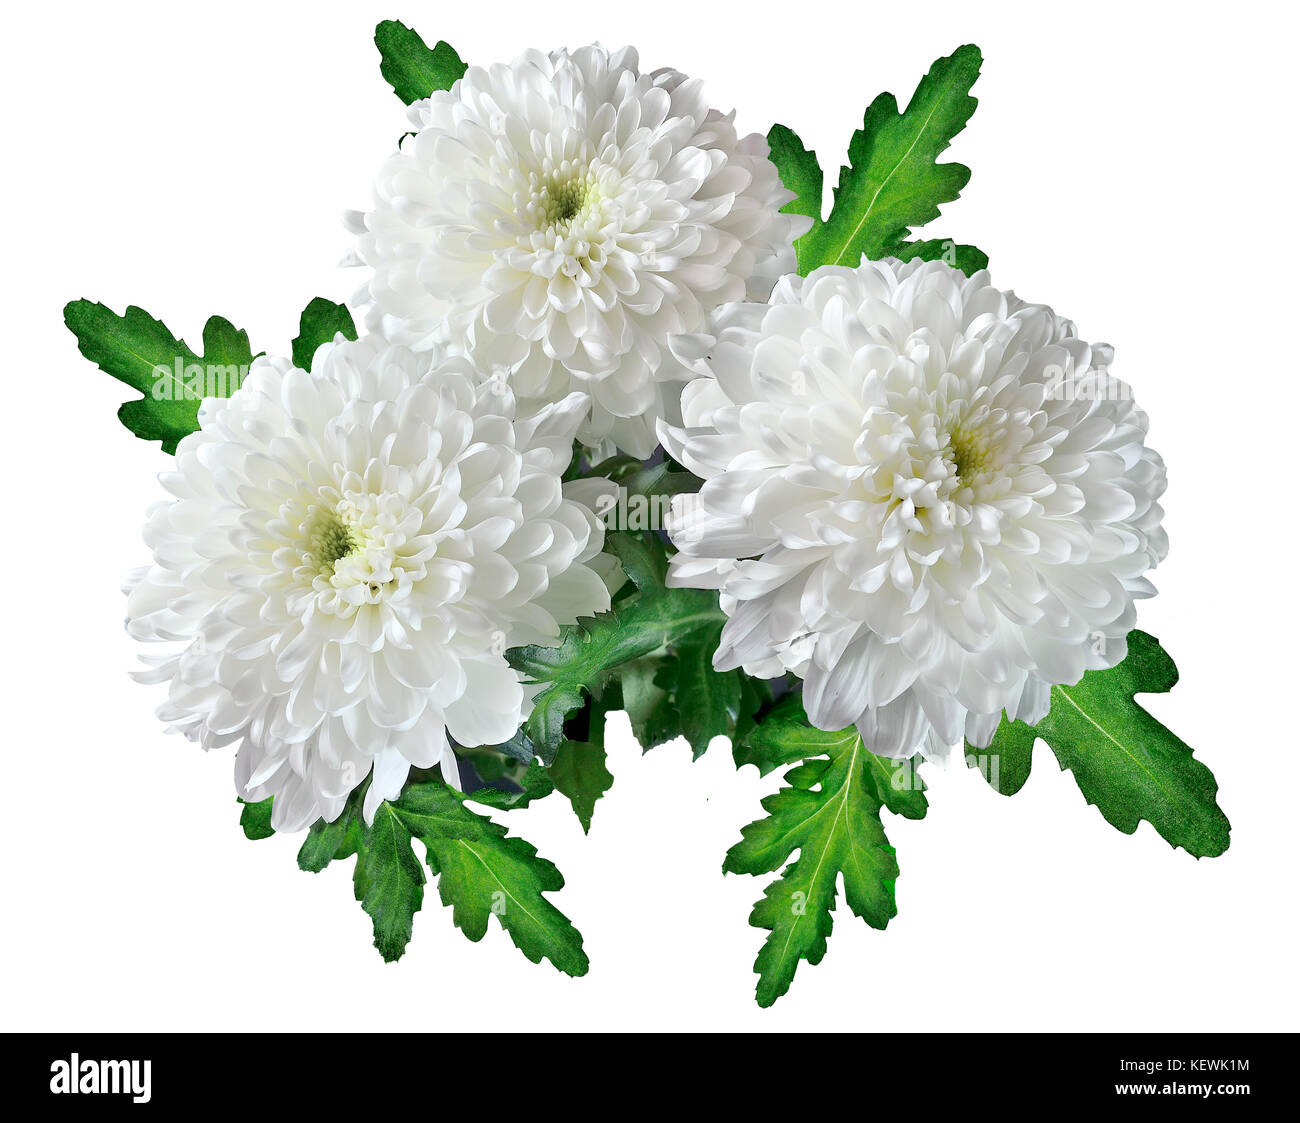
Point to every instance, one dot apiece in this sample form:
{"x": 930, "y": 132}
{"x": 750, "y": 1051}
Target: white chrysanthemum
{"x": 348, "y": 554}
{"x": 556, "y": 219}
{"x": 924, "y": 496}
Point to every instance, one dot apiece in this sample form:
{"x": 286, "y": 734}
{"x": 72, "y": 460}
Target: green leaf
{"x": 830, "y": 813}
{"x": 802, "y": 174}
{"x": 784, "y": 735}
{"x": 255, "y": 818}
{"x": 664, "y": 479}
{"x": 893, "y": 181}
{"x": 647, "y": 697}
{"x": 1005, "y": 764}
{"x": 484, "y": 871}
{"x": 590, "y": 652}
{"x": 578, "y": 770}
{"x": 966, "y": 258}
{"x": 535, "y": 783}
{"x": 410, "y": 67}
{"x": 138, "y": 350}
{"x": 1128, "y": 765}
{"x": 708, "y": 700}
{"x": 643, "y": 558}
{"x": 389, "y": 881}
{"x": 328, "y": 842}
{"x": 321, "y": 320}
{"x": 581, "y": 776}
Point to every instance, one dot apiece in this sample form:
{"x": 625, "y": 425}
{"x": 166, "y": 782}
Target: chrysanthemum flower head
{"x": 557, "y": 218}
{"x": 346, "y": 557}
{"x": 925, "y": 497}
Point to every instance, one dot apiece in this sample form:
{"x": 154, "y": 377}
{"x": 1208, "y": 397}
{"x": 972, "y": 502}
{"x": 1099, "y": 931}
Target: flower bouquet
{"x": 628, "y": 419}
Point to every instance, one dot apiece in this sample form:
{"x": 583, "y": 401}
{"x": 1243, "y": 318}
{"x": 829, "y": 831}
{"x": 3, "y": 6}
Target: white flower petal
{"x": 928, "y": 484}
{"x": 349, "y": 552}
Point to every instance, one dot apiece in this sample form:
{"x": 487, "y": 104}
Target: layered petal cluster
{"x": 557, "y": 218}
{"x": 347, "y": 555}
{"x": 925, "y": 497}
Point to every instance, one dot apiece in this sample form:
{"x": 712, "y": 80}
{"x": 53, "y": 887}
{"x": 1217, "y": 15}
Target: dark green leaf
{"x": 664, "y": 479}
{"x": 389, "y": 881}
{"x": 647, "y": 697}
{"x": 580, "y": 774}
{"x": 590, "y": 652}
{"x": 708, "y": 700}
{"x": 321, "y": 320}
{"x": 643, "y": 557}
{"x": 138, "y": 350}
{"x": 535, "y": 783}
{"x": 1128, "y": 765}
{"x": 410, "y": 66}
{"x": 255, "y": 818}
{"x": 519, "y": 747}
{"x": 328, "y": 842}
{"x": 1005, "y": 764}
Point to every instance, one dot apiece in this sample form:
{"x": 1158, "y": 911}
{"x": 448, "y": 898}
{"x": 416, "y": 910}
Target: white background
{"x": 1133, "y": 166}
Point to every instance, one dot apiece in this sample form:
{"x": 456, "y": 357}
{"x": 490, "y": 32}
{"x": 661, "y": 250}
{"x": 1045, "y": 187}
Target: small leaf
{"x": 643, "y": 558}
{"x": 708, "y": 700}
{"x": 801, "y": 173}
{"x": 646, "y": 687}
{"x": 966, "y": 258}
{"x": 661, "y": 480}
{"x": 255, "y": 818}
{"x": 1005, "y": 764}
{"x": 321, "y": 320}
{"x": 1128, "y": 765}
{"x": 410, "y": 67}
{"x": 329, "y": 842}
{"x": 581, "y": 776}
{"x": 138, "y": 350}
{"x": 536, "y": 783}
{"x": 389, "y": 881}
{"x": 893, "y": 181}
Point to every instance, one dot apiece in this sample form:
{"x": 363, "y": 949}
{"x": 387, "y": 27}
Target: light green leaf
{"x": 1128, "y": 765}
{"x": 784, "y": 735}
{"x": 410, "y": 66}
{"x": 138, "y": 350}
{"x": 837, "y": 830}
{"x": 321, "y": 320}
{"x": 893, "y": 182}
{"x": 483, "y": 871}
